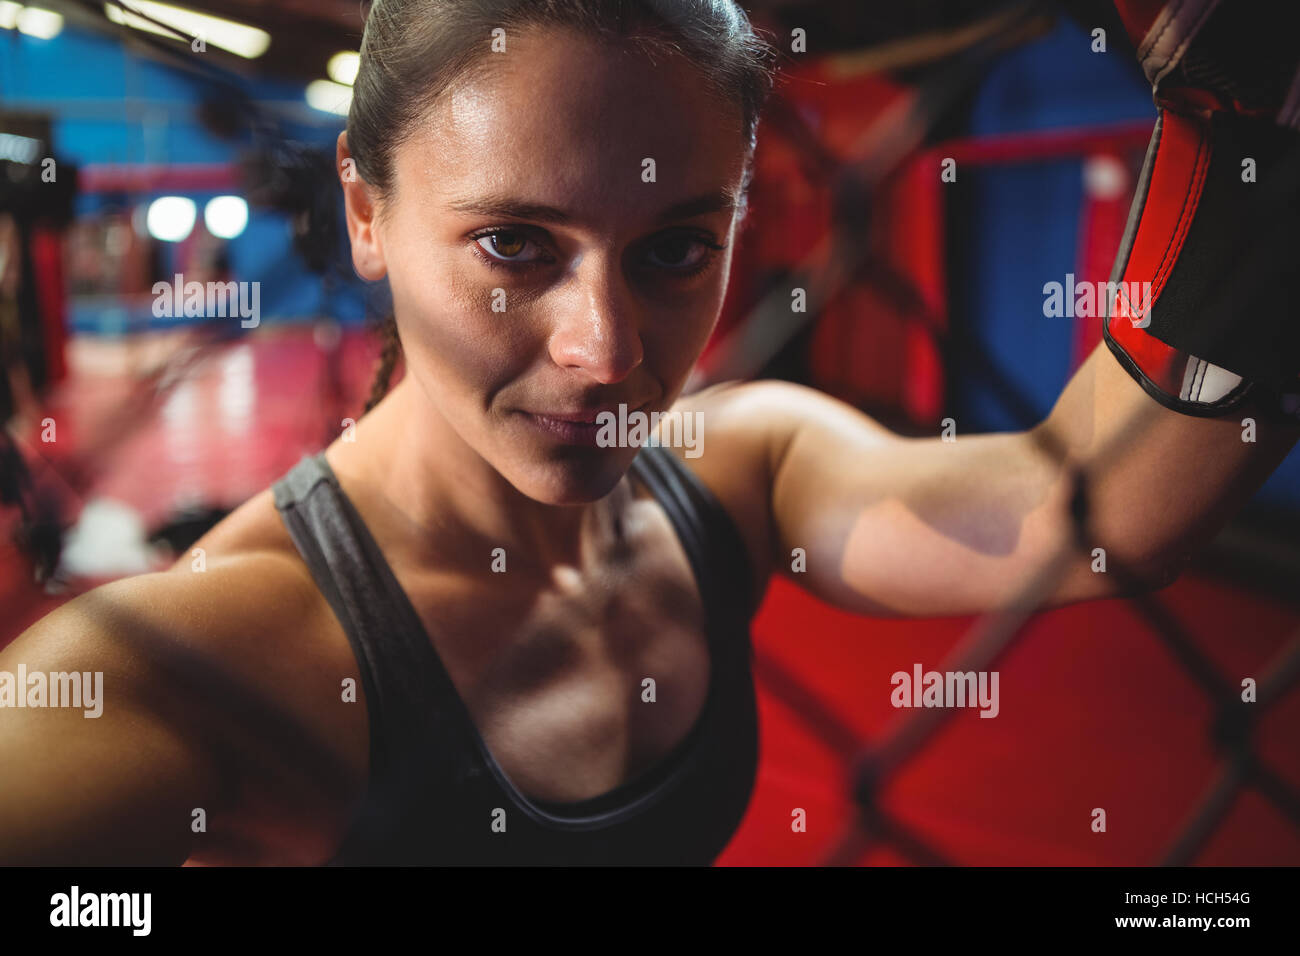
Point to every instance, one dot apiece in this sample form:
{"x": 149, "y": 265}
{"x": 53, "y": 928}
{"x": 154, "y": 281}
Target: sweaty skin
{"x": 223, "y": 687}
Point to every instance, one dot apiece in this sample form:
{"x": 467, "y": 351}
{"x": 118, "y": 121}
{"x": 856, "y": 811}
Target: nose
{"x": 598, "y": 333}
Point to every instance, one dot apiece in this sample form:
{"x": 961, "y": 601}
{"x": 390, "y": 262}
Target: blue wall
{"x": 113, "y": 107}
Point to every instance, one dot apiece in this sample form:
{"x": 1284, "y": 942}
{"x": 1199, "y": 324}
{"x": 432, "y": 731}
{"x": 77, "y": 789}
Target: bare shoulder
{"x": 239, "y": 593}
{"x": 735, "y": 447}
{"x": 227, "y": 671}
{"x": 255, "y": 527}
{"x": 258, "y": 608}
{"x": 747, "y": 431}
{"x": 244, "y": 591}
{"x": 244, "y": 618}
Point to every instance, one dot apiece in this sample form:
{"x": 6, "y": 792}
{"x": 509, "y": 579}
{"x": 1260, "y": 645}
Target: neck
{"x": 453, "y": 502}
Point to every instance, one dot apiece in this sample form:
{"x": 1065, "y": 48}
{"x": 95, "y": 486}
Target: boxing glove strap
{"x": 1202, "y": 305}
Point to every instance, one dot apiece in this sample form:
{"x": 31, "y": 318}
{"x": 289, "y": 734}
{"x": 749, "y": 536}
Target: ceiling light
{"x": 343, "y": 67}
{"x": 226, "y": 216}
{"x": 171, "y": 218}
{"x": 329, "y": 97}
{"x": 19, "y": 149}
{"x": 9, "y": 14}
{"x": 42, "y": 24}
{"x": 238, "y": 38}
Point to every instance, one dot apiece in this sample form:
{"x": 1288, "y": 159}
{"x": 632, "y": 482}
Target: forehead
{"x": 568, "y": 120}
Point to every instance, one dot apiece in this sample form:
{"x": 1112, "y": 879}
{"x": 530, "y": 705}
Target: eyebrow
{"x": 508, "y": 207}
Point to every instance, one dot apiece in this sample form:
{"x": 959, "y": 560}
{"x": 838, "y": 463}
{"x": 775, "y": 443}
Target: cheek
{"x": 449, "y": 332}
{"x": 681, "y": 328}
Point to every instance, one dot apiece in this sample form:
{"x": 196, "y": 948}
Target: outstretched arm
{"x": 206, "y": 690}
{"x": 926, "y": 527}
{"x": 1153, "y": 421}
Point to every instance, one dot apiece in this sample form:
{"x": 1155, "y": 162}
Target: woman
{"x": 472, "y": 630}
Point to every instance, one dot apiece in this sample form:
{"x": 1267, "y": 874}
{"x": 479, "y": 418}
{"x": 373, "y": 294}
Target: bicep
{"x": 927, "y": 527}
{"x": 892, "y": 526}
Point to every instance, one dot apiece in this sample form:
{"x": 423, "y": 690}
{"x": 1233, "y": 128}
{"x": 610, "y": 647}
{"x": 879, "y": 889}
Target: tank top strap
{"x": 712, "y": 542}
{"x": 395, "y": 661}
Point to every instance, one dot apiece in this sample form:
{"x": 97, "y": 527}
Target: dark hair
{"x": 412, "y": 50}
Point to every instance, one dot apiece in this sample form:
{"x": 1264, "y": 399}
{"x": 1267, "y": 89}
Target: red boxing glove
{"x": 1202, "y": 305}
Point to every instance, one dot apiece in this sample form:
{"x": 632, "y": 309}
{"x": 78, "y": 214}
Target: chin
{"x": 575, "y": 479}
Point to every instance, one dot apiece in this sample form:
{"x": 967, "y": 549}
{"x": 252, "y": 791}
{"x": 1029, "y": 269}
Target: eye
{"x": 507, "y": 245}
{"x": 681, "y": 253}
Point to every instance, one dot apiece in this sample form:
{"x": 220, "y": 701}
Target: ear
{"x": 360, "y": 208}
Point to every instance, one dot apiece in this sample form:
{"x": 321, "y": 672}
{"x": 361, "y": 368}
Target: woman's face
{"x": 558, "y": 243}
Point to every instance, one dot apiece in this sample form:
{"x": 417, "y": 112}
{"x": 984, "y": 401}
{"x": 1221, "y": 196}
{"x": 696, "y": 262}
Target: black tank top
{"x": 435, "y": 793}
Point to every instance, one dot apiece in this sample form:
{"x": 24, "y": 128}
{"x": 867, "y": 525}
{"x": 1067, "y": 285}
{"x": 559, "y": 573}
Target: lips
{"x": 567, "y": 431}
{"x": 587, "y": 417}
{"x": 575, "y": 427}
